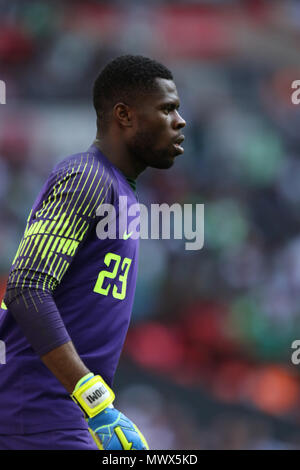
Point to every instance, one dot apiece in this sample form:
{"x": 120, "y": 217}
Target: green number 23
{"x": 109, "y": 258}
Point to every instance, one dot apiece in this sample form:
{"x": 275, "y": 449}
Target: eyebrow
{"x": 170, "y": 104}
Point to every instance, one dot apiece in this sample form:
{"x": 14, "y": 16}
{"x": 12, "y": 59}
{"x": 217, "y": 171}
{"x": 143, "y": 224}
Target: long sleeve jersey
{"x": 91, "y": 280}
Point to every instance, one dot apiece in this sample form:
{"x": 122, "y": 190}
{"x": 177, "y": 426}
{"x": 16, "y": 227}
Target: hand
{"x": 110, "y": 429}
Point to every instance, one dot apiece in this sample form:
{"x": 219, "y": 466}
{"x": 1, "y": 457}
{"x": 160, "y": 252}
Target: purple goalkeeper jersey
{"x": 91, "y": 280}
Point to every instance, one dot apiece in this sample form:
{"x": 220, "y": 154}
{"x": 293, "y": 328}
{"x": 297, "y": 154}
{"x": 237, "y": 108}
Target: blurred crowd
{"x": 221, "y": 319}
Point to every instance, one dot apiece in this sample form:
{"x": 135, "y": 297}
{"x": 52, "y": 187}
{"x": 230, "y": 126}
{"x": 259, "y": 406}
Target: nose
{"x": 179, "y": 122}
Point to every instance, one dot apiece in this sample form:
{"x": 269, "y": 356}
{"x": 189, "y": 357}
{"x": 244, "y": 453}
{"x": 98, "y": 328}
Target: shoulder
{"x": 85, "y": 169}
{"x": 81, "y": 163}
{"x": 78, "y": 183}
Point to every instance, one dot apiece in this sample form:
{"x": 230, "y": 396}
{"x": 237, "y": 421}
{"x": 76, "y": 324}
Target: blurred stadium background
{"x": 207, "y": 361}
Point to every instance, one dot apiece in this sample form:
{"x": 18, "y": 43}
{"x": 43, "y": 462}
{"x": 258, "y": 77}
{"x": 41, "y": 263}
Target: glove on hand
{"x": 110, "y": 429}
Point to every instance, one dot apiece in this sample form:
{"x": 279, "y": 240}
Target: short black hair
{"x": 123, "y": 79}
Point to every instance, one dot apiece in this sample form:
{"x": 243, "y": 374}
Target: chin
{"x": 163, "y": 161}
{"x": 163, "y": 165}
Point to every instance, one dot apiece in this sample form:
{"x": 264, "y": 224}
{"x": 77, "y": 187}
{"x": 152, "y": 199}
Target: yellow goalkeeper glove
{"x": 110, "y": 429}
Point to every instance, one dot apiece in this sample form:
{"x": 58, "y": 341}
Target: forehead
{"x": 165, "y": 90}
{"x": 164, "y": 93}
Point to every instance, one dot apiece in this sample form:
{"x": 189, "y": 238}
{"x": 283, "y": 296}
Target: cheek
{"x": 153, "y": 132}
{"x": 159, "y": 131}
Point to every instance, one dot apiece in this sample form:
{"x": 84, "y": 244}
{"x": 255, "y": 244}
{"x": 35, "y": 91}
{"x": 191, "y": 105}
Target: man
{"x": 69, "y": 294}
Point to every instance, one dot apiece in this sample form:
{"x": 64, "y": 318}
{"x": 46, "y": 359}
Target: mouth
{"x": 177, "y": 144}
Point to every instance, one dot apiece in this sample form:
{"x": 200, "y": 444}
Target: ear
{"x": 123, "y": 114}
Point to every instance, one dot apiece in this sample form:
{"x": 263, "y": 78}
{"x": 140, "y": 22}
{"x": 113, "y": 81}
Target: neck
{"x": 116, "y": 152}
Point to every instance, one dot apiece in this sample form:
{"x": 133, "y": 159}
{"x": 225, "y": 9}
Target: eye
{"x": 169, "y": 108}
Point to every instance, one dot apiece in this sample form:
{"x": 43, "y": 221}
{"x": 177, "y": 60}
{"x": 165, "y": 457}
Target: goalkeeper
{"x": 70, "y": 291}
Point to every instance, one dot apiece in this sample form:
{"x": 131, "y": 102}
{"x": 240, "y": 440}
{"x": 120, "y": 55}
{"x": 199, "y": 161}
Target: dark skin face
{"x": 144, "y": 134}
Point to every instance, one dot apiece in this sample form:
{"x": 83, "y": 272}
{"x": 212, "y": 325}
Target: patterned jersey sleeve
{"x": 59, "y": 222}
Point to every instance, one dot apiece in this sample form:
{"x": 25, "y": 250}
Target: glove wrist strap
{"x": 92, "y": 394}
